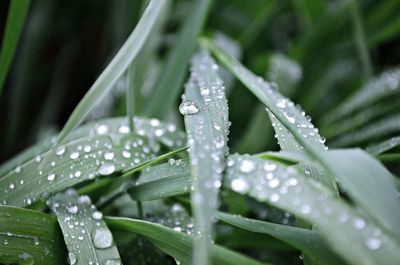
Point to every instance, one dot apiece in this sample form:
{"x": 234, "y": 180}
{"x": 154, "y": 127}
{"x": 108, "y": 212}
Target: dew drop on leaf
{"x": 102, "y": 238}
{"x": 106, "y": 169}
{"x": 188, "y": 107}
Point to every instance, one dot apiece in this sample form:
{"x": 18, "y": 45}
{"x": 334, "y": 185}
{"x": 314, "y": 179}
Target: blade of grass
{"x": 29, "y": 237}
{"x": 384, "y": 146}
{"x": 282, "y": 108}
{"x": 176, "y": 244}
{"x": 338, "y": 223}
{"x": 14, "y": 26}
{"x": 115, "y": 69}
{"x": 93, "y": 150}
{"x": 382, "y": 86}
{"x": 207, "y": 129}
{"x": 86, "y": 235}
{"x": 359, "y": 37}
{"x": 168, "y": 84}
{"x": 386, "y": 126}
{"x": 309, "y": 242}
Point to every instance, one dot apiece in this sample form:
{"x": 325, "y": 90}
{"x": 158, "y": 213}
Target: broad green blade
{"x": 205, "y": 109}
{"x": 29, "y": 237}
{"x": 370, "y": 185}
{"x": 382, "y": 86}
{"x": 372, "y": 131}
{"x": 15, "y": 23}
{"x": 86, "y": 235}
{"x": 384, "y": 146}
{"x": 284, "y": 110}
{"x": 169, "y": 83}
{"x": 161, "y": 181}
{"x": 116, "y": 68}
{"x": 338, "y": 223}
{"x": 309, "y": 242}
{"x": 94, "y": 150}
{"x": 176, "y": 244}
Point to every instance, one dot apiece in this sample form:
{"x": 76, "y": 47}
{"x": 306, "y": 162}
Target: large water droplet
{"x": 97, "y": 215}
{"x": 106, "y": 169}
{"x": 51, "y": 177}
{"x": 188, "y": 107}
{"x": 102, "y": 238}
{"x": 359, "y": 223}
{"x": 373, "y": 243}
{"x": 74, "y": 209}
{"x": 102, "y": 129}
{"x": 247, "y": 166}
{"x": 239, "y": 185}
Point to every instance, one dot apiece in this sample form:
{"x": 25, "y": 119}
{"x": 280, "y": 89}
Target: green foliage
{"x": 172, "y": 196}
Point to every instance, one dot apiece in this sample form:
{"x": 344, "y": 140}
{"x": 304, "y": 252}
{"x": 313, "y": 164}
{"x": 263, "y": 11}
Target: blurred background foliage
{"x": 328, "y": 49}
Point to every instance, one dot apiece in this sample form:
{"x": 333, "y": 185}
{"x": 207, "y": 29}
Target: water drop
{"x": 359, "y": 223}
{"x": 123, "y": 129}
{"x": 239, "y": 185}
{"x": 126, "y": 154}
{"x": 373, "y": 243}
{"x": 74, "y": 155}
{"x": 109, "y": 156}
{"x": 60, "y": 151}
{"x": 102, "y": 238}
{"x": 102, "y": 129}
{"x": 247, "y": 166}
{"x": 273, "y": 183}
{"x": 106, "y": 169}
{"x": 269, "y": 167}
{"x": 74, "y": 209}
{"x": 97, "y": 215}
{"x": 51, "y": 177}
{"x": 188, "y": 107}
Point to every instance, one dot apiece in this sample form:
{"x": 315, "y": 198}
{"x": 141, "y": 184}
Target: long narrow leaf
{"x": 115, "y": 69}
{"x": 206, "y": 120}
{"x": 29, "y": 237}
{"x": 86, "y": 235}
{"x": 338, "y": 223}
{"x": 178, "y": 245}
{"x": 15, "y": 23}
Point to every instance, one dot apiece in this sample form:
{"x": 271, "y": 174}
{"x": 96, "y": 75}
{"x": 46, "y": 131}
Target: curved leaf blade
{"x": 207, "y": 131}
{"x": 115, "y": 69}
{"x": 29, "y": 237}
{"x": 85, "y": 233}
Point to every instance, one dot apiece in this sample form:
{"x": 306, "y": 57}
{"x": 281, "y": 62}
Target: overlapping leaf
{"x": 206, "y": 120}
{"x": 86, "y": 235}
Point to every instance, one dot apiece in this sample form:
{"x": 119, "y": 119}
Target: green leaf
{"x": 93, "y": 150}
{"x": 115, "y": 69}
{"x": 383, "y": 146}
{"x": 284, "y": 110}
{"x": 309, "y": 242}
{"x": 161, "y": 181}
{"x": 176, "y": 244}
{"x": 168, "y": 84}
{"x": 370, "y": 185}
{"x": 382, "y": 86}
{"x": 377, "y": 129}
{"x": 335, "y": 220}
{"x": 29, "y": 237}
{"x": 205, "y": 110}
{"x": 14, "y": 26}
{"x": 86, "y": 235}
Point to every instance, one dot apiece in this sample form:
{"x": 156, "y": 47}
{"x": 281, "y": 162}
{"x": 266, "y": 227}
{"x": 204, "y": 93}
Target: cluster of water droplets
{"x": 82, "y": 225}
{"x": 285, "y": 188}
{"x": 94, "y": 150}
